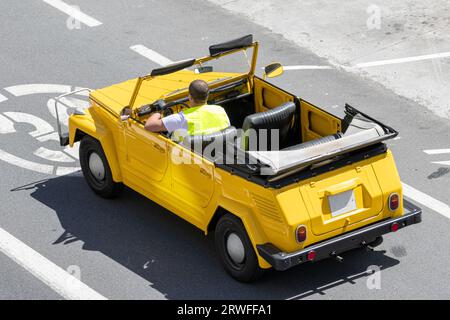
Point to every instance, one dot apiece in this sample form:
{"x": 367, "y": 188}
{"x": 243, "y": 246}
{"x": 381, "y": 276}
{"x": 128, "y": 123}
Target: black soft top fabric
{"x": 230, "y": 45}
{"x": 180, "y": 65}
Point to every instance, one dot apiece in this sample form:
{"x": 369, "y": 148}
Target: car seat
{"x": 279, "y": 118}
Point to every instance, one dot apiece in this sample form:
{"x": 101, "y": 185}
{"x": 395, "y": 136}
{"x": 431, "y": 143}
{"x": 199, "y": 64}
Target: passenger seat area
{"x": 200, "y": 142}
{"x": 280, "y": 118}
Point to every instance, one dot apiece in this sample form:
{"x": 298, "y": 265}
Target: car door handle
{"x": 159, "y": 148}
{"x": 205, "y": 173}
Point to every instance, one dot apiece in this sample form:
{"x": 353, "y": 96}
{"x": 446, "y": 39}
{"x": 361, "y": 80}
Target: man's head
{"x": 198, "y": 92}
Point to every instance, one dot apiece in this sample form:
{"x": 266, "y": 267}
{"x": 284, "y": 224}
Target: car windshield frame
{"x": 199, "y": 61}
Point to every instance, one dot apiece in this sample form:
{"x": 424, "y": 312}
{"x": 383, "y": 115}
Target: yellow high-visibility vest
{"x": 206, "y": 119}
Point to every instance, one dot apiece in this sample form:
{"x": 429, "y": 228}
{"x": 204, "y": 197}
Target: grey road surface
{"x": 131, "y": 248}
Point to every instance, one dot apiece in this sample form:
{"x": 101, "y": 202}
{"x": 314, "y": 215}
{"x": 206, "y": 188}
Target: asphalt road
{"x": 131, "y": 248}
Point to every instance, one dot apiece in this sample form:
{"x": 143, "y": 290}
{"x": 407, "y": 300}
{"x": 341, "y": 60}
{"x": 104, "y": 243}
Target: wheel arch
{"x": 251, "y": 225}
{"x": 82, "y": 126}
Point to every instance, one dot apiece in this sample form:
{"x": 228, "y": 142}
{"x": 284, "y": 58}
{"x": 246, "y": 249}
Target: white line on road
{"x": 372, "y": 63}
{"x": 151, "y": 55}
{"x": 445, "y": 163}
{"x": 3, "y": 98}
{"x": 437, "y": 151}
{"x": 426, "y": 200}
{"x": 26, "y": 89}
{"x": 52, "y": 275}
{"x": 52, "y": 155}
{"x": 41, "y": 126}
{"x": 306, "y": 67}
{"x": 6, "y": 125}
{"x": 403, "y": 60}
{"x": 34, "y": 166}
{"x": 73, "y": 12}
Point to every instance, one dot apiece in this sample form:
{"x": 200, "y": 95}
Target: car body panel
{"x": 199, "y": 191}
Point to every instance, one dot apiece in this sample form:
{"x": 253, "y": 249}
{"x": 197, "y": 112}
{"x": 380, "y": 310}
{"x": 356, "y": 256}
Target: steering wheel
{"x": 179, "y": 107}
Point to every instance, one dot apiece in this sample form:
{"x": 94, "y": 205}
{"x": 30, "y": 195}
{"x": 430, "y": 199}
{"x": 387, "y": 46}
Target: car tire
{"x": 235, "y": 249}
{"x": 375, "y": 243}
{"x": 96, "y": 170}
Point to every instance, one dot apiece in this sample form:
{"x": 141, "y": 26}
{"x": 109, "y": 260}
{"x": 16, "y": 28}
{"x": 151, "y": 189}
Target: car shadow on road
{"x": 174, "y": 256}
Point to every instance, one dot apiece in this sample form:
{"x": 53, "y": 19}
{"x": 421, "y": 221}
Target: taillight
{"x": 311, "y": 255}
{"x": 395, "y": 226}
{"x": 300, "y": 234}
{"x": 394, "y": 201}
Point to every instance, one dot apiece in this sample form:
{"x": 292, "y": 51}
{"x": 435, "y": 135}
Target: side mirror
{"x": 273, "y": 70}
{"x": 125, "y": 114}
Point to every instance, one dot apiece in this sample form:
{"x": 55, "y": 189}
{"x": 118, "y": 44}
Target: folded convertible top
{"x": 361, "y": 135}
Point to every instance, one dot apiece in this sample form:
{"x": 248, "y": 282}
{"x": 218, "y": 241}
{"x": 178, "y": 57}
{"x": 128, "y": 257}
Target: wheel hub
{"x": 96, "y": 166}
{"x": 235, "y": 248}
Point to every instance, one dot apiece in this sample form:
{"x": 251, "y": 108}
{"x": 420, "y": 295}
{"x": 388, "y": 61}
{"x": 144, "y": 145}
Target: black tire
{"x": 104, "y": 186}
{"x": 375, "y": 243}
{"x": 246, "y": 271}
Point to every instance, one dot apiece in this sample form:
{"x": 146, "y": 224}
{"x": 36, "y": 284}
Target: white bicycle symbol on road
{"x": 63, "y": 160}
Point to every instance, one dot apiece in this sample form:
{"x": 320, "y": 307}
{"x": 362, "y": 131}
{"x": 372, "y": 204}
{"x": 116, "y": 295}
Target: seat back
{"x": 198, "y": 143}
{"x": 279, "y": 118}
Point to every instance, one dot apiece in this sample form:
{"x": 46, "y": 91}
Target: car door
{"x": 192, "y": 180}
{"x": 146, "y": 155}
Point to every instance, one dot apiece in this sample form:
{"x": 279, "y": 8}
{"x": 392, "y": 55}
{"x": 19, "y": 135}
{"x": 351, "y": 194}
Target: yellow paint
{"x": 150, "y": 164}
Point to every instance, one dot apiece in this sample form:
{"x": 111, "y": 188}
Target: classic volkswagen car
{"x": 329, "y": 185}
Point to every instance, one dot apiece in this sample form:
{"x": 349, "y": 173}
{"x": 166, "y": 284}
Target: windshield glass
{"x": 220, "y": 68}
{"x": 213, "y": 70}
{"x": 238, "y": 62}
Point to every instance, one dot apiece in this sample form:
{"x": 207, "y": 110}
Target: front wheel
{"x": 96, "y": 169}
{"x": 235, "y": 249}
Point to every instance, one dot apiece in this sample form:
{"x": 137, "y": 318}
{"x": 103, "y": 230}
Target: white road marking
{"x": 52, "y": 275}
{"x": 73, "y": 151}
{"x": 426, "y": 200}
{"x": 3, "y": 98}
{"x": 372, "y": 63}
{"x": 445, "y": 163}
{"x": 42, "y": 126}
{"x": 82, "y": 93}
{"x": 26, "y": 89}
{"x": 437, "y": 151}
{"x": 52, "y": 155}
{"x": 49, "y": 137}
{"x": 34, "y": 166}
{"x": 6, "y": 125}
{"x": 151, "y": 55}
{"x": 73, "y": 12}
{"x": 44, "y": 131}
{"x": 306, "y": 67}
{"x": 403, "y": 60}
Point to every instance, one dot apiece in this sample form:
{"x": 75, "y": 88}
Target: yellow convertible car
{"x": 287, "y": 183}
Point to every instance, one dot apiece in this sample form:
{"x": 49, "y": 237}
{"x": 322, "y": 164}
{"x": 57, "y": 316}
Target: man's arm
{"x": 154, "y": 123}
{"x": 170, "y": 123}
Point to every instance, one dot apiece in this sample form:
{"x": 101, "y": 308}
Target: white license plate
{"x": 342, "y": 203}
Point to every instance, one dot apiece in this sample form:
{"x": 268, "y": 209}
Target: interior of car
{"x": 263, "y": 109}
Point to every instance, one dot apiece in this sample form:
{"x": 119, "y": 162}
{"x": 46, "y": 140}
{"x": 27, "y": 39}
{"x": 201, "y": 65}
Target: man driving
{"x": 199, "y": 119}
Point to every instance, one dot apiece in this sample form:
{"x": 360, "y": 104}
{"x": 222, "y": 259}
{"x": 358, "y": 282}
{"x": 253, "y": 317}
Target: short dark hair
{"x": 199, "y": 90}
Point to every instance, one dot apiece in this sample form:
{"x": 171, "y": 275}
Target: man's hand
{"x": 154, "y": 123}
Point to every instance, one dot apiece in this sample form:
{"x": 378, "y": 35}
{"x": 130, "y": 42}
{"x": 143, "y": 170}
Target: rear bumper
{"x": 331, "y": 247}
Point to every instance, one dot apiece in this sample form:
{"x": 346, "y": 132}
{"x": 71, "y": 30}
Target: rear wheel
{"x": 96, "y": 169}
{"x": 235, "y": 249}
{"x": 375, "y": 243}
